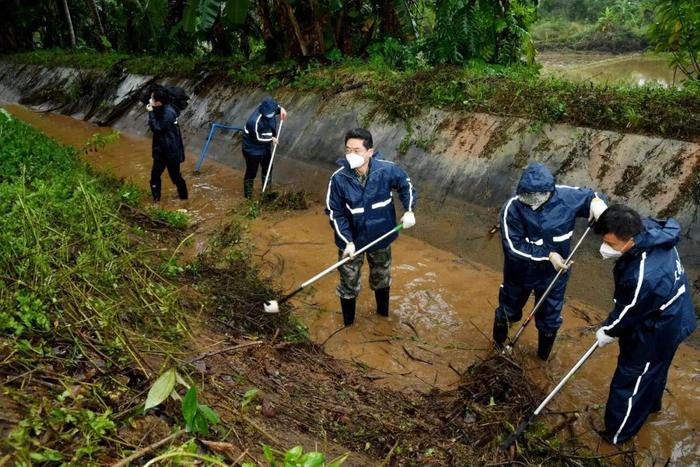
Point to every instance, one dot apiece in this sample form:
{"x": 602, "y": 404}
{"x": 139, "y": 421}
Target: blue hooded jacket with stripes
{"x": 362, "y": 214}
{"x": 259, "y": 129}
{"x": 653, "y": 305}
{"x": 528, "y": 235}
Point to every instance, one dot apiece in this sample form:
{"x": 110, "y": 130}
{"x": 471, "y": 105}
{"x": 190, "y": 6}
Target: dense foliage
{"x": 677, "y": 30}
{"x": 445, "y": 31}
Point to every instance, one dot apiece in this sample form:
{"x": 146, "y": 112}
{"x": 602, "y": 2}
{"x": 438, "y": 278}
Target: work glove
{"x": 349, "y": 250}
{"x": 603, "y": 338}
{"x": 408, "y": 219}
{"x": 597, "y": 208}
{"x": 283, "y": 114}
{"x": 275, "y": 140}
{"x": 558, "y": 262}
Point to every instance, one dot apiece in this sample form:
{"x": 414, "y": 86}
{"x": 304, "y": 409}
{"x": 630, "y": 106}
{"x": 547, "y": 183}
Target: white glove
{"x": 603, "y": 338}
{"x": 149, "y": 107}
{"x": 557, "y": 261}
{"x": 597, "y": 208}
{"x": 349, "y": 250}
{"x": 408, "y": 219}
{"x": 275, "y": 140}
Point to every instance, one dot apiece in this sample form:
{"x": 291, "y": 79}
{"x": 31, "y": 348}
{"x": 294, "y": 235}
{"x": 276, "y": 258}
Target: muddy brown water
{"x": 441, "y": 304}
{"x": 636, "y": 68}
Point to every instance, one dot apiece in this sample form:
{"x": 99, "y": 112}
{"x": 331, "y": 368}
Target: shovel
{"x": 273, "y": 305}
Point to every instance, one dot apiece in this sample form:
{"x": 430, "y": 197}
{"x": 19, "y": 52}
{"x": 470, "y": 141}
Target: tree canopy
{"x": 446, "y": 31}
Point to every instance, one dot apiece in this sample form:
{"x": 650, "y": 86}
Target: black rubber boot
{"x": 248, "y": 188}
{"x": 382, "y": 296}
{"x": 545, "y": 342}
{"x": 155, "y": 192}
{"x": 500, "y": 332}
{"x": 348, "y": 307}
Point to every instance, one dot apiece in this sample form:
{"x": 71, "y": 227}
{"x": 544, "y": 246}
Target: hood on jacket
{"x": 657, "y": 233}
{"x": 536, "y": 178}
{"x": 268, "y": 105}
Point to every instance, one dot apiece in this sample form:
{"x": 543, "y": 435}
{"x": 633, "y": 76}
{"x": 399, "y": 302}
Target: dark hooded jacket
{"x": 653, "y": 305}
{"x": 528, "y": 235}
{"x": 167, "y": 141}
{"x": 259, "y": 129}
{"x": 362, "y": 214}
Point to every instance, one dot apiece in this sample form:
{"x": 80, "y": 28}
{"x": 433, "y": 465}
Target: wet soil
{"x": 441, "y": 306}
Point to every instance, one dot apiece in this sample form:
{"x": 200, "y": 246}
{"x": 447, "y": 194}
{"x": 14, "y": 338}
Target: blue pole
{"x": 212, "y": 130}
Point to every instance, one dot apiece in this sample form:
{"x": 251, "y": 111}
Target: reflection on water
{"x": 636, "y": 69}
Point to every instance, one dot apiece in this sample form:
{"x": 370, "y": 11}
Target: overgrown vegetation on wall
{"x": 403, "y": 85}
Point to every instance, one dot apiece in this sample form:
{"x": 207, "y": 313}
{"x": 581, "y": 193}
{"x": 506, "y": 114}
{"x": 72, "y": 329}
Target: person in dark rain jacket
{"x": 653, "y": 314}
{"x": 167, "y": 148}
{"x": 360, "y": 207}
{"x": 259, "y": 134}
{"x": 536, "y": 229}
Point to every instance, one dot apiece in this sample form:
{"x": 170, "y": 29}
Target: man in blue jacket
{"x": 259, "y": 134}
{"x": 167, "y": 148}
{"x": 536, "y": 229}
{"x": 653, "y": 313}
{"x": 360, "y": 206}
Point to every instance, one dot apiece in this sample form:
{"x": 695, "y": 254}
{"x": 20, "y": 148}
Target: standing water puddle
{"x": 441, "y": 305}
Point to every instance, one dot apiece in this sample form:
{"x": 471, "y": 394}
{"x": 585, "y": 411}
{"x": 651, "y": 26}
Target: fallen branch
{"x": 142, "y": 452}
{"x": 418, "y": 359}
{"x": 224, "y": 350}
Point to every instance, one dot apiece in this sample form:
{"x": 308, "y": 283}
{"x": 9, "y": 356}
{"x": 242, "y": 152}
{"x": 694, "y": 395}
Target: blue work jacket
{"x": 653, "y": 309}
{"x": 259, "y": 129}
{"x": 361, "y": 214}
{"x": 528, "y": 236}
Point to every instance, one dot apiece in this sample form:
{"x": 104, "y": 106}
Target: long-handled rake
{"x": 273, "y": 305}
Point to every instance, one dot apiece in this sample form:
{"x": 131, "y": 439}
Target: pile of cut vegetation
{"x": 285, "y": 200}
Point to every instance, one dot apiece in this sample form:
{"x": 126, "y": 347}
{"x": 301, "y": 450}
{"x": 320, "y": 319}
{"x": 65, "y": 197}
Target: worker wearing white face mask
{"x": 652, "y": 315}
{"x": 360, "y": 206}
{"x": 536, "y": 229}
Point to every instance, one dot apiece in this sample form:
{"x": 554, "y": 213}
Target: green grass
{"x": 78, "y": 297}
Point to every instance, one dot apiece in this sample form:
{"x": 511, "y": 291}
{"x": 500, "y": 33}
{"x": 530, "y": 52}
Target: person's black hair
{"x": 619, "y": 219}
{"x": 360, "y": 133}
{"x": 161, "y": 95}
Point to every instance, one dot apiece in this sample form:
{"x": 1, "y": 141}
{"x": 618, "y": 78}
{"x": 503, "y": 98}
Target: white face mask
{"x": 270, "y": 115}
{"x": 535, "y": 199}
{"x": 608, "y": 252}
{"x": 355, "y": 160}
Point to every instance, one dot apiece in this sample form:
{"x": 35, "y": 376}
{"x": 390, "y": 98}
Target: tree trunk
{"x": 295, "y": 26}
{"x": 391, "y": 26}
{"x": 99, "y": 30}
{"x": 318, "y": 28}
{"x": 71, "y": 31}
{"x": 272, "y": 47}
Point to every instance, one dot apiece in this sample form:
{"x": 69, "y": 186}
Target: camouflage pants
{"x": 379, "y": 272}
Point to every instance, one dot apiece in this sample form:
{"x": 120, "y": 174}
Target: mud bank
{"x": 465, "y": 165}
{"x": 441, "y": 305}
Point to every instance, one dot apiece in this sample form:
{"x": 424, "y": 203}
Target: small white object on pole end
{"x": 272, "y": 307}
